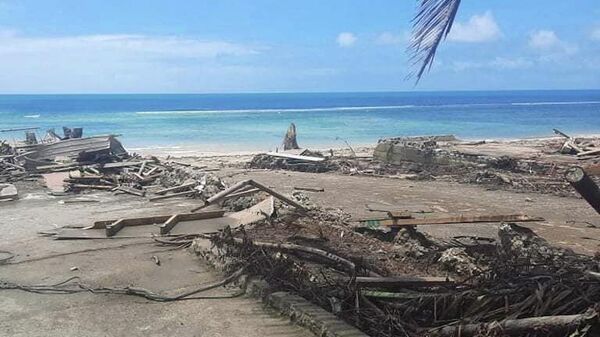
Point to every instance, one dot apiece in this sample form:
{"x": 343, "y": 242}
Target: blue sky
{"x": 68, "y": 46}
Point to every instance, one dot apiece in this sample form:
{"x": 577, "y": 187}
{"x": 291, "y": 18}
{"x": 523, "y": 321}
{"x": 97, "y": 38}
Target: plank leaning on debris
{"x": 295, "y": 156}
{"x": 449, "y": 220}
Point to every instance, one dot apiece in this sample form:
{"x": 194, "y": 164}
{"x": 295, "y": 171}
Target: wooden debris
{"x": 310, "y": 189}
{"x": 173, "y": 195}
{"x": 177, "y": 188}
{"x": 289, "y": 141}
{"x": 113, "y": 226}
{"x": 519, "y": 327}
{"x": 295, "y": 156}
{"x": 398, "y": 222}
{"x": 401, "y": 282}
{"x": 585, "y": 186}
{"x": 221, "y": 195}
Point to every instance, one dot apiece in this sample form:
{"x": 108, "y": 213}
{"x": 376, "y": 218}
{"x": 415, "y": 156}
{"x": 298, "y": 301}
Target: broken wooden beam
{"x": 295, "y": 156}
{"x": 236, "y": 187}
{"x": 585, "y": 186}
{"x": 277, "y": 195}
{"x": 401, "y": 282}
{"x": 172, "y": 195}
{"x": 177, "y": 188}
{"x": 551, "y": 325}
{"x": 114, "y": 227}
{"x": 168, "y": 225}
{"x": 398, "y": 222}
{"x": 243, "y": 193}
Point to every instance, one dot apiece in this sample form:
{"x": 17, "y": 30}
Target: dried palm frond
{"x": 431, "y": 24}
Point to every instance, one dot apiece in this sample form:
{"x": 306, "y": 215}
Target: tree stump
{"x": 289, "y": 141}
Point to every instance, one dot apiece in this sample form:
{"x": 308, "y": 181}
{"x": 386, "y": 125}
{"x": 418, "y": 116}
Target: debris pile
{"x": 304, "y": 160}
{"x": 516, "y": 286}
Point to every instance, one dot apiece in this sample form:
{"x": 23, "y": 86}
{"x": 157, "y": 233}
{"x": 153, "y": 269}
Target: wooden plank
{"x": 588, "y": 153}
{"x": 374, "y": 223}
{"x": 277, "y": 195}
{"x": 169, "y": 224}
{"x": 399, "y": 215}
{"x": 177, "y": 188}
{"x": 142, "y": 167}
{"x": 93, "y": 187}
{"x": 295, "y": 156}
{"x": 242, "y": 193}
{"x": 401, "y": 282}
{"x": 115, "y": 227}
{"x": 173, "y": 195}
{"x": 159, "y": 219}
{"x": 221, "y": 195}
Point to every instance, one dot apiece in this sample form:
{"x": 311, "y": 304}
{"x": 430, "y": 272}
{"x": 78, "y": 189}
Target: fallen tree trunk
{"x": 289, "y": 141}
{"x": 548, "y": 324}
{"x": 585, "y": 186}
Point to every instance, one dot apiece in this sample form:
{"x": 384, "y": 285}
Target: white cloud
{"x": 543, "y": 39}
{"x": 123, "y": 45}
{"x": 506, "y": 63}
{"x": 479, "y": 28}
{"x": 118, "y": 63}
{"x": 547, "y": 42}
{"x": 595, "y": 34}
{"x": 388, "y": 38}
{"x": 346, "y": 39}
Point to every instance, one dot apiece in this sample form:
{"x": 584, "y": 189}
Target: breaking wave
{"x": 556, "y": 103}
{"x": 198, "y": 112}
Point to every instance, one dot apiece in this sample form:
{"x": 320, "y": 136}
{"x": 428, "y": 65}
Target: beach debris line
{"x": 453, "y": 287}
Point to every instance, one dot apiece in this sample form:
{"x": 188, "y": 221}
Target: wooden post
{"x": 289, "y": 141}
{"x": 585, "y": 186}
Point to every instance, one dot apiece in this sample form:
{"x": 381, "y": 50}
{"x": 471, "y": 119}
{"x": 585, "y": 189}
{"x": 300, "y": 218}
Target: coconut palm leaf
{"x": 431, "y": 24}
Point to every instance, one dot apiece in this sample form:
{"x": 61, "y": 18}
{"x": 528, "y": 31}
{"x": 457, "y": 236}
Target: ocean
{"x": 248, "y": 122}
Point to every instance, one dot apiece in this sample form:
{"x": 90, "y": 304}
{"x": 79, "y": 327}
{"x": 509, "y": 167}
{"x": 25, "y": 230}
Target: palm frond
{"x": 431, "y": 25}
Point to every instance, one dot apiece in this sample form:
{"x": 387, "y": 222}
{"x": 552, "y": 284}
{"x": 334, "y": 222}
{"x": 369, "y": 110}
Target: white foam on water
{"x": 349, "y": 108}
{"x": 556, "y": 103}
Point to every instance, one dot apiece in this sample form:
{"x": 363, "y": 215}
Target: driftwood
{"x": 289, "y": 141}
{"x": 310, "y": 189}
{"x": 348, "y": 265}
{"x": 585, "y": 186}
{"x": 517, "y": 327}
{"x": 238, "y": 186}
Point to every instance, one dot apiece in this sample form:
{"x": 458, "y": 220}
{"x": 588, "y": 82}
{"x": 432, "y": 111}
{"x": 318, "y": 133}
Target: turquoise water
{"x": 258, "y": 121}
